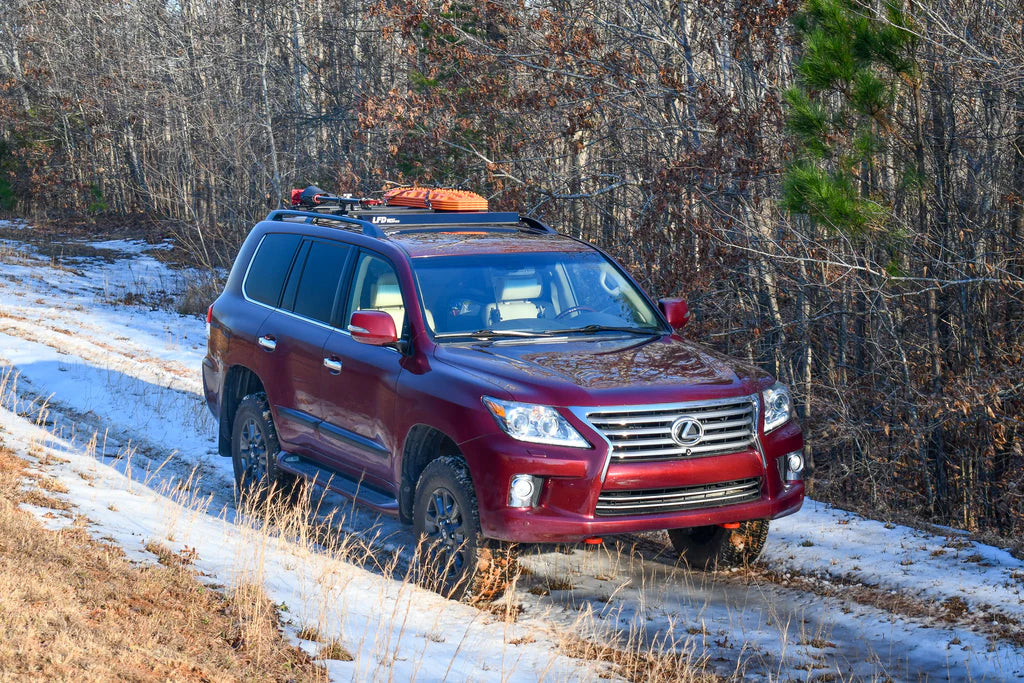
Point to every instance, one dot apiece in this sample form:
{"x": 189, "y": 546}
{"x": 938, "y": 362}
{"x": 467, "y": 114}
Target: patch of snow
{"x": 15, "y": 224}
{"x": 825, "y": 541}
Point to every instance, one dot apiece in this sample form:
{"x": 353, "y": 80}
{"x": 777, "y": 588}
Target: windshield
{"x": 529, "y": 294}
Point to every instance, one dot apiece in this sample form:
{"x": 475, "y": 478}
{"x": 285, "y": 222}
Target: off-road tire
{"x": 254, "y": 449}
{"x": 453, "y": 559}
{"x": 714, "y": 547}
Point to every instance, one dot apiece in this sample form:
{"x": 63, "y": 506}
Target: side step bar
{"x": 335, "y": 481}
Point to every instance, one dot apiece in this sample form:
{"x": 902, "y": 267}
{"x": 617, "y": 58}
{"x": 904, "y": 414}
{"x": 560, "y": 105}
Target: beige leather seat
{"x": 386, "y": 296}
{"x": 519, "y": 299}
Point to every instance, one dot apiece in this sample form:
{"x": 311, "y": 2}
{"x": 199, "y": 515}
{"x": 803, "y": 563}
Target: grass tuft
{"x": 334, "y": 650}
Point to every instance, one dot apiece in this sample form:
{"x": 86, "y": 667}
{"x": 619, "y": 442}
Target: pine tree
{"x": 840, "y": 112}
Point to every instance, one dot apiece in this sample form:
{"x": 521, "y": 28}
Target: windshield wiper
{"x": 591, "y": 329}
{"x": 492, "y": 334}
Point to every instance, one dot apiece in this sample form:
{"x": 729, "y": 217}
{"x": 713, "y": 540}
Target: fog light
{"x": 795, "y": 466}
{"x": 524, "y": 491}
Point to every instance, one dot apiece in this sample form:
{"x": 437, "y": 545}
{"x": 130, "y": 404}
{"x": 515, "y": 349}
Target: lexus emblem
{"x": 687, "y": 431}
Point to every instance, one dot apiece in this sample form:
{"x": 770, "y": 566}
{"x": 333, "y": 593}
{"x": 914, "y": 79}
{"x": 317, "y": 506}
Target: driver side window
{"x": 375, "y": 288}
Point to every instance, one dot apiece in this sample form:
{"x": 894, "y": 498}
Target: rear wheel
{"x": 454, "y": 559}
{"x": 715, "y": 547}
{"x": 254, "y": 450}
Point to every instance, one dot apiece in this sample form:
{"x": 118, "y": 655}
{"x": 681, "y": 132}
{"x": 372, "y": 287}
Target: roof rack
{"x": 415, "y": 213}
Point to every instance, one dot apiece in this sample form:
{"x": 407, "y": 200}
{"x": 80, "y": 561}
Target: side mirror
{"x": 676, "y": 312}
{"x": 373, "y": 327}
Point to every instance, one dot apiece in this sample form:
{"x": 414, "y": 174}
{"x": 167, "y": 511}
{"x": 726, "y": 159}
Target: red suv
{"x": 487, "y": 379}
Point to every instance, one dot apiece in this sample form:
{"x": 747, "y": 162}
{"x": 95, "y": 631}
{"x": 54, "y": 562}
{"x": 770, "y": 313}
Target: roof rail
{"x": 537, "y": 225}
{"x": 366, "y": 227}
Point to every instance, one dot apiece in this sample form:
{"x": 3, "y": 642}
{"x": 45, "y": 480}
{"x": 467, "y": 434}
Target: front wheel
{"x": 454, "y": 559}
{"x": 715, "y": 547}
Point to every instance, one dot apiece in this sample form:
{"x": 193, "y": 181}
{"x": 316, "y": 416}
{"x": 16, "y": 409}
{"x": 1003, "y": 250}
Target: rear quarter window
{"x": 270, "y": 267}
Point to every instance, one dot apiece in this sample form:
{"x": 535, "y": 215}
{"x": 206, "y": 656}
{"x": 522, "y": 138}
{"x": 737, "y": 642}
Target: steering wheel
{"x": 574, "y": 309}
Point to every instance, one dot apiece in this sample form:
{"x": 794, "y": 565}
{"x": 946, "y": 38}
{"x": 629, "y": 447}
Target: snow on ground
{"x": 131, "y": 375}
{"x": 394, "y": 629}
{"x": 833, "y": 543}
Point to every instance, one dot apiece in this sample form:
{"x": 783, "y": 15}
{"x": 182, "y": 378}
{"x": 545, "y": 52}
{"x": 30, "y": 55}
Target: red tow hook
{"x": 730, "y": 525}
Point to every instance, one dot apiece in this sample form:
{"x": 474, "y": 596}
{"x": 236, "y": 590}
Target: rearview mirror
{"x": 676, "y": 312}
{"x": 376, "y": 328}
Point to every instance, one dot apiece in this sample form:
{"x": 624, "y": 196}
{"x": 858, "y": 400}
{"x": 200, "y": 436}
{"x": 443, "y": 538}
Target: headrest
{"x": 520, "y": 288}
{"x": 386, "y": 295}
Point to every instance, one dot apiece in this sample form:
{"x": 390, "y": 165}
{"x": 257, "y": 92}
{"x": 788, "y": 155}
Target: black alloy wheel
{"x": 254, "y": 449}
{"x": 447, "y": 526}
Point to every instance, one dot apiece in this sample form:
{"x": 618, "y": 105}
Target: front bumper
{"x": 545, "y": 525}
{"x": 565, "y": 512}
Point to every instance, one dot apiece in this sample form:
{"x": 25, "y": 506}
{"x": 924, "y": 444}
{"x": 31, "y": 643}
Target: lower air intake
{"x": 653, "y": 501}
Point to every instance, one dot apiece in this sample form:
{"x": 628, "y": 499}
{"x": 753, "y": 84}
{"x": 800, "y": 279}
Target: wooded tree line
{"x": 836, "y": 186}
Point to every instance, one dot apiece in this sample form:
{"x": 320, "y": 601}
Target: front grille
{"x": 643, "y": 433}
{"x": 652, "y": 501}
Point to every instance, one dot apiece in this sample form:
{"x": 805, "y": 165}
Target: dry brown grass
{"x": 72, "y": 608}
{"x": 637, "y": 662}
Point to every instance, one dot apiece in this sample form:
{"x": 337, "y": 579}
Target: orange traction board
{"x": 440, "y": 199}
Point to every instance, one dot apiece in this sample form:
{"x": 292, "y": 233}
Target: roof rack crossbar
{"x": 365, "y": 227}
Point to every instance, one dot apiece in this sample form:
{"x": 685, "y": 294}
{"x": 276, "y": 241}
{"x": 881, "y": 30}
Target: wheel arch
{"x": 423, "y": 444}
{"x": 239, "y": 382}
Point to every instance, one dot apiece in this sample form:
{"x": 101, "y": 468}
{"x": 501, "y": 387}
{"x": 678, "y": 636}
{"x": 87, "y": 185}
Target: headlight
{"x": 539, "y": 424}
{"x": 778, "y": 406}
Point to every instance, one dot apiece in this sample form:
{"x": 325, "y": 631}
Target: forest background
{"x": 837, "y": 187}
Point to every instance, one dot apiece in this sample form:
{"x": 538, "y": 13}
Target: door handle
{"x": 333, "y": 365}
{"x": 267, "y": 342}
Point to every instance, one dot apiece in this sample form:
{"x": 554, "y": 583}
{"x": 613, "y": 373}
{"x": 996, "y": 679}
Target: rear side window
{"x": 270, "y": 267}
{"x": 318, "y": 285}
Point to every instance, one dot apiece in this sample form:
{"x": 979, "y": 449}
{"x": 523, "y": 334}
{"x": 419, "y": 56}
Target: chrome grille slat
{"x": 633, "y": 418}
{"x": 722, "y": 436}
{"x": 646, "y": 501}
{"x": 674, "y": 453}
{"x": 649, "y": 442}
{"x": 631, "y": 432}
{"x": 639, "y": 433}
{"x": 722, "y": 492}
{"x": 715, "y": 426}
{"x": 677, "y": 504}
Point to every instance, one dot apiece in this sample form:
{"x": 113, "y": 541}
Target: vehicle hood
{"x": 603, "y": 371}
